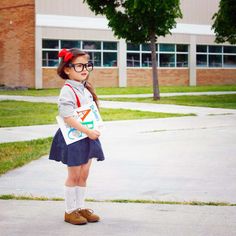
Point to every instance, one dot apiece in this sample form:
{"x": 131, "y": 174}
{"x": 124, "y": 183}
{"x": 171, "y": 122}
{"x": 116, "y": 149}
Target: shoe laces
{"x": 77, "y": 212}
{"x": 87, "y": 210}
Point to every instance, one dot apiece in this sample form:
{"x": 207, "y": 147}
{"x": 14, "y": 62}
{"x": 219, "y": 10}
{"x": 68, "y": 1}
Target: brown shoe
{"x": 75, "y": 218}
{"x": 88, "y": 214}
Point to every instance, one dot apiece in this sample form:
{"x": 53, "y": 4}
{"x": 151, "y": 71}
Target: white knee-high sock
{"x": 70, "y": 199}
{"x": 80, "y": 196}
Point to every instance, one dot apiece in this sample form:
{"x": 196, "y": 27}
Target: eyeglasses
{"x": 79, "y": 67}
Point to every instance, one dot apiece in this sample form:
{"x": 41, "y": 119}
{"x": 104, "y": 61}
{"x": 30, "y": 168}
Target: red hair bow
{"x": 65, "y": 54}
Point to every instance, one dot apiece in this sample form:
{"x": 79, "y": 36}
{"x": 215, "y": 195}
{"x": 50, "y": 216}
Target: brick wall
{"x": 107, "y": 77}
{"x": 143, "y": 77}
{"x": 216, "y": 76}
{"x": 17, "y": 34}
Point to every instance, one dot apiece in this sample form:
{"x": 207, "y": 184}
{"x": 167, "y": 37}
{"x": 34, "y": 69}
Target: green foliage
{"x": 140, "y": 21}
{"x": 136, "y": 20}
{"x": 225, "y": 22}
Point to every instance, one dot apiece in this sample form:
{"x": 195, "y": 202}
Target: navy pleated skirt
{"x": 77, "y": 153}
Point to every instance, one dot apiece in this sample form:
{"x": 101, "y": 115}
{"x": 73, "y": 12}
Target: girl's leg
{"x": 70, "y": 188}
{"x": 84, "y": 172}
{"x": 81, "y": 184}
{"x": 81, "y": 190}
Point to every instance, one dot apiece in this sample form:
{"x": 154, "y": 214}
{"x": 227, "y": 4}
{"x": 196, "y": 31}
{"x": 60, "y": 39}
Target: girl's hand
{"x": 93, "y": 134}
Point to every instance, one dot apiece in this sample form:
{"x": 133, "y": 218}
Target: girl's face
{"x": 78, "y": 71}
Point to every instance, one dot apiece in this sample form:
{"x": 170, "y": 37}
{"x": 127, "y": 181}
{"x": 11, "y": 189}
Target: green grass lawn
{"x": 16, "y": 154}
{"x": 216, "y": 101}
{"x": 19, "y": 113}
{"x": 127, "y": 90}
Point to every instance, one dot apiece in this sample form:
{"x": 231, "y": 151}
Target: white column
{"x": 192, "y": 62}
{"x": 122, "y": 63}
{"x": 38, "y": 58}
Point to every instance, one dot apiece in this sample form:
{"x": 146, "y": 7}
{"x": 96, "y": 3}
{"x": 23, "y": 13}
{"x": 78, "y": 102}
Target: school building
{"x": 32, "y": 33}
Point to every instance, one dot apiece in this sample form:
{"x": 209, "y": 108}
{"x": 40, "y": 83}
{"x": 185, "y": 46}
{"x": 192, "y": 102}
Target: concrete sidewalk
{"x": 167, "y": 94}
{"x": 27, "y": 218}
{"x": 175, "y": 159}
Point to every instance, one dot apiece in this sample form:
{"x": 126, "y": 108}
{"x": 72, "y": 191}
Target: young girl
{"x": 74, "y": 68}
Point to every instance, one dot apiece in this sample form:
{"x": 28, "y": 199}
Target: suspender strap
{"x": 76, "y": 96}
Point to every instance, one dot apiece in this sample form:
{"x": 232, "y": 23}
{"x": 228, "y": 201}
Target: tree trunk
{"x": 156, "y": 92}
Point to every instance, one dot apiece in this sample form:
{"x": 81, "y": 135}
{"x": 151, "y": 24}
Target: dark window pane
{"x": 91, "y": 45}
{"x": 229, "y": 49}
{"x": 182, "y": 48}
{"x": 50, "y": 58}
{"x": 70, "y": 44}
{"x": 202, "y": 60}
{"x": 109, "y": 59}
{"x": 146, "y": 60}
{"x": 133, "y": 59}
{"x": 50, "y": 43}
{"x": 215, "y": 60}
{"x": 133, "y": 47}
{"x": 109, "y": 45}
{"x": 229, "y": 61}
{"x": 95, "y": 58}
{"x": 167, "y": 60}
{"x": 146, "y": 47}
{"x": 167, "y": 47}
{"x": 215, "y": 49}
{"x": 182, "y": 60}
{"x": 201, "y": 48}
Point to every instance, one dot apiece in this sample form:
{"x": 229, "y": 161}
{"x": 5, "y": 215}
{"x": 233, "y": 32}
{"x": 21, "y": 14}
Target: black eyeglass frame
{"x": 83, "y": 66}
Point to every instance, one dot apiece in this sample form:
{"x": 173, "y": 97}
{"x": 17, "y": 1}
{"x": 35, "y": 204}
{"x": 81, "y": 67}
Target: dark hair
{"x": 60, "y": 70}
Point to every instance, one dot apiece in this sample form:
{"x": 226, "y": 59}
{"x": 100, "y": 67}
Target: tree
{"x": 140, "y": 21}
{"x": 225, "y": 22}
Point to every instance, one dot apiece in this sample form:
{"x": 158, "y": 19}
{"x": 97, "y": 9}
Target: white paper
{"x": 88, "y": 115}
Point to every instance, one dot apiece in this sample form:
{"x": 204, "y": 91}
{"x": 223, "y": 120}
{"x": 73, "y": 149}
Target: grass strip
{"x": 191, "y": 203}
{"x": 20, "y": 113}
{"x": 16, "y": 154}
{"x": 126, "y": 90}
{"x": 216, "y": 101}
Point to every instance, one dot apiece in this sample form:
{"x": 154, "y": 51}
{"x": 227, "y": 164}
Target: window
{"x": 95, "y": 58}
{"x": 133, "y": 47}
{"x": 229, "y": 61}
{"x": 182, "y": 55}
{"x": 146, "y": 60}
{"x": 215, "y": 61}
{"x": 167, "y": 60}
{"x": 109, "y": 59}
{"x": 133, "y": 59}
{"x": 109, "y": 45}
{"x": 167, "y": 47}
{"x": 50, "y": 58}
{"x": 101, "y": 53}
{"x": 169, "y": 55}
{"x": 50, "y": 43}
{"x": 182, "y": 60}
{"x": 70, "y": 44}
{"x": 201, "y": 48}
{"x": 216, "y": 56}
{"x": 202, "y": 60}
{"x": 91, "y": 45}
{"x": 50, "y": 52}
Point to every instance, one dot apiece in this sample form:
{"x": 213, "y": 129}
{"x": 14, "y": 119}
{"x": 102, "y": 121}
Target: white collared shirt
{"x": 67, "y": 101}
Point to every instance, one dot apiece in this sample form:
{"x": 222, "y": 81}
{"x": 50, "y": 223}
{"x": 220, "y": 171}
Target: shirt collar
{"x": 75, "y": 84}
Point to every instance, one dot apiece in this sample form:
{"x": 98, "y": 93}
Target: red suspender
{"x": 77, "y": 99}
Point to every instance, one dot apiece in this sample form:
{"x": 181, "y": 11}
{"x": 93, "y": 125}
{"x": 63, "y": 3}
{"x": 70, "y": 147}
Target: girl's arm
{"x": 92, "y": 134}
